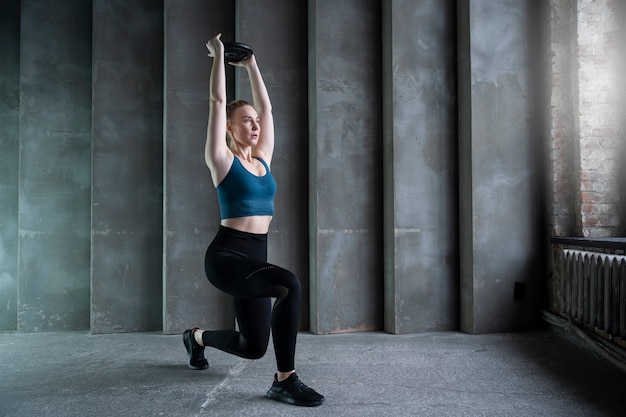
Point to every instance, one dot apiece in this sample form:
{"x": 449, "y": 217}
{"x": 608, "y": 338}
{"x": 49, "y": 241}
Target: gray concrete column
{"x": 9, "y": 159}
{"x": 127, "y": 177}
{"x": 499, "y": 231}
{"x": 55, "y": 147}
{"x": 277, "y": 31}
{"x": 191, "y": 210}
{"x": 421, "y": 227}
{"x": 345, "y": 171}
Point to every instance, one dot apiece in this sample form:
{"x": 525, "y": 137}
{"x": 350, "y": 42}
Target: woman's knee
{"x": 256, "y": 350}
{"x": 291, "y": 282}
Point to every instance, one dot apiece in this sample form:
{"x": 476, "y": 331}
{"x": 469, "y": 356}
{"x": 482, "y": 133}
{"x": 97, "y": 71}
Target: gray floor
{"x": 361, "y": 374}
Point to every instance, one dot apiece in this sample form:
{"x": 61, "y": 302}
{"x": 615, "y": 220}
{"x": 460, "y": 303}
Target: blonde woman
{"x": 236, "y": 260}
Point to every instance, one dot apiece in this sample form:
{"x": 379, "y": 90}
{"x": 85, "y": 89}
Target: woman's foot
{"x": 293, "y": 391}
{"x": 194, "y": 351}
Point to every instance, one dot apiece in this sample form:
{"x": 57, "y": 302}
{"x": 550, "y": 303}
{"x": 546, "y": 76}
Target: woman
{"x": 236, "y": 260}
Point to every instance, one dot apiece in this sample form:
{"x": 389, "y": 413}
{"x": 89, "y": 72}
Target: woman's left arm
{"x": 265, "y": 147}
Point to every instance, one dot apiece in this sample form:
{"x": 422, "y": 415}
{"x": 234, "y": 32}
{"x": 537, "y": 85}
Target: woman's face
{"x": 244, "y": 126}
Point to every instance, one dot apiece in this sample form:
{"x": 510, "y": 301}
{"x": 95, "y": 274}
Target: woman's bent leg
{"x": 250, "y": 342}
{"x": 253, "y": 315}
{"x": 236, "y": 263}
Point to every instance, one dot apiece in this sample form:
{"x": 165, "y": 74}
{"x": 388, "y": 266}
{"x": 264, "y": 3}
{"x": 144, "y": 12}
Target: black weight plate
{"x": 236, "y": 51}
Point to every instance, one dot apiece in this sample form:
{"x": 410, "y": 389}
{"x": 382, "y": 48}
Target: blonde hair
{"x": 230, "y": 110}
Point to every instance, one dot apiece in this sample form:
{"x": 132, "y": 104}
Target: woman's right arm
{"x": 216, "y": 153}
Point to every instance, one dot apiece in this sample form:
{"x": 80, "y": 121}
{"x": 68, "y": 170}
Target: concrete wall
{"x": 499, "y": 207}
{"x": 54, "y": 173}
{"x": 421, "y": 217}
{"x": 9, "y": 159}
{"x": 190, "y": 203}
{"x": 127, "y": 171}
{"x": 116, "y": 206}
{"x": 345, "y": 171}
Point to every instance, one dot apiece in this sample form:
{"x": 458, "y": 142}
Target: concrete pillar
{"x": 54, "y": 183}
{"x": 9, "y": 159}
{"x": 283, "y": 58}
{"x": 421, "y": 227}
{"x": 127, "y": 177}
{"x": 191, "y": 210}
{"x": 345, "y": 166}
{"x": 499, "y": 231}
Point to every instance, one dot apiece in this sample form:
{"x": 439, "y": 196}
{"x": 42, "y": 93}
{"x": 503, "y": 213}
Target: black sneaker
{"x": 293, "y": 391}
{"x": 195, "y": 351}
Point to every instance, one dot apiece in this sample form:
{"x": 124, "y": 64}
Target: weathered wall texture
{"x": 127, "y": 171}
{"x": 499, "y": 233}
{"x": 54, "y": 172}
{"x": 564, "y": 147}
{"x": 345, "y": 170}
{"x": 601, "y": 140}
{"x": 9, "y": 159}
{"x": 421, "y": 226}
{"x": 107, "y": 206}
{"x": 191, "y": 209}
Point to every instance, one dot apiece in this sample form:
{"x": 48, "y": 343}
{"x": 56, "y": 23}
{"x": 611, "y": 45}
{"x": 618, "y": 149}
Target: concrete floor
{"x": 361, "y": 374}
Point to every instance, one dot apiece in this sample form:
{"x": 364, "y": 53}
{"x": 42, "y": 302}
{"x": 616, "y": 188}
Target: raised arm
{"x": 261, "y": 100}
{"x": 216, "y": 153}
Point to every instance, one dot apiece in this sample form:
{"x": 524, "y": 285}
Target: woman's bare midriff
{"x": 251, "y": 224}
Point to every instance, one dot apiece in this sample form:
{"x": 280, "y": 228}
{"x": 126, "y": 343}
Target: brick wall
{"x": 586, "y": 130}
{"x": 564, "y": 128}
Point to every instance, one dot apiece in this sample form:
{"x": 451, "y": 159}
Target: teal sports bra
{"x": 243, "y": 194}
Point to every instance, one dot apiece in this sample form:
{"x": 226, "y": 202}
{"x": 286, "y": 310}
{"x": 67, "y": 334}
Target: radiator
{"x": 592, "y": 292}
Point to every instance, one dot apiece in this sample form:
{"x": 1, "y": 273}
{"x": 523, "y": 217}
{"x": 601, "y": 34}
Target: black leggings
{"x": 236, "y": 263}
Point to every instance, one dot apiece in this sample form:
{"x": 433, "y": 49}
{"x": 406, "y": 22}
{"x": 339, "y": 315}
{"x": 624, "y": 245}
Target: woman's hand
{"x": 245, "y": 63}
{"x": 215, "y": 46}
